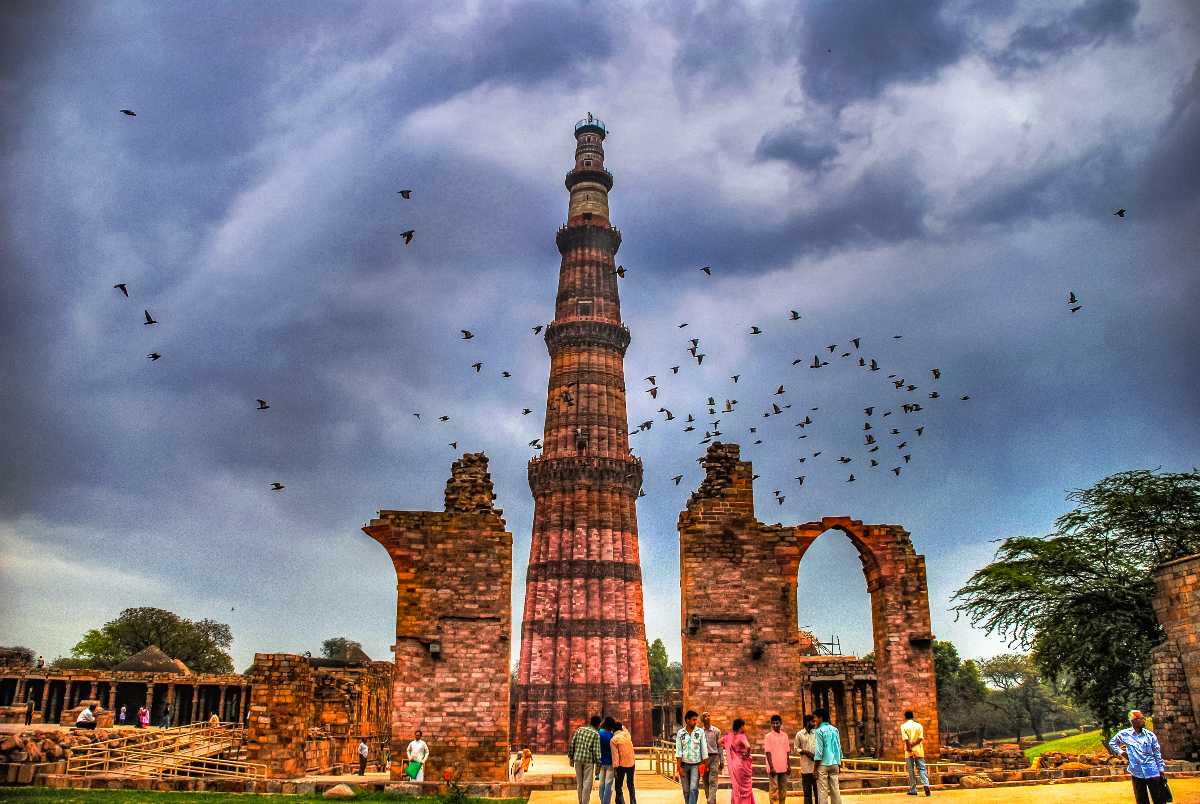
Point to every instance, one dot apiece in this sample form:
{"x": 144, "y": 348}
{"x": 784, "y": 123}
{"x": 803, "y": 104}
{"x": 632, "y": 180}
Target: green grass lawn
{"x": 1084, "y": 743}
{"x": 40, "y": 794}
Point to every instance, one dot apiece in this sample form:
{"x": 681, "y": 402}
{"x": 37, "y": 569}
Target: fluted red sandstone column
{"x": 583, "y": 638}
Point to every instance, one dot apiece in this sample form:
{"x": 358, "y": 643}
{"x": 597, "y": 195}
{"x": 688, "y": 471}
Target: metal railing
{"x": 178, "y": 752}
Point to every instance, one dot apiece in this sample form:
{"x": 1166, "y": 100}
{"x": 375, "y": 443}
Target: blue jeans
{"x": 607, "y": 774}
{"x": 916, "y": 767}
{"x": 689, "y": 780}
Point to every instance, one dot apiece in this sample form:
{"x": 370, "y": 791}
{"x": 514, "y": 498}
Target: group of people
{"x": 702, "y": 752}
{"x": 603, "y": 749}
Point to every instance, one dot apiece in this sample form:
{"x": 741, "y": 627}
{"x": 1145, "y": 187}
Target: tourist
{"x": 776, "y": 746}
{"x": 827, "y": 754}
{"x": 804, "y": 745}
{"x": 1144, "y": 756}
{"x": 607, "y": 774}
{"x": 418, "y": 751}
{"x": 143, "y": 717}
{"x": 526, "y": 759}
{"x": 584, "y": 753}
{"x": 736, "y": 747}
{"x": 691, "y": 750}
{"x": 28, "y": 711}
{"x": 214, "y": 721}
{"x": 716, "y": 758}
{"x": 121, "y": 716}
{"x": 166, "y": 717}
{"x": 86, "y": 719}
{"x": 363, "y": 751}
{"x": 625, "y": 762}
{"x": 41, "y": 663}
{"x": 913, "y": 735}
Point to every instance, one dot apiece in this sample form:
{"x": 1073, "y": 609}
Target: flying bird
{"x": 418, "y": 415}
{"x": 277, "y": 486}
{"x": 795, "y": 316}
{"x": 506, "y": 374}
{"x": 707, "y": 269}
{"x": 964, "y": 397}
{"x": 149, "y": 319}
{"x": 677, "y": 478}
{"x": 684, "y": 324}
{"x": 674, "y": 369}
{"x": 443, "y": 418}
{"x": 920, "y": 430}
{"x": 1077, "y": 308}
{"x": 850, "y": 479}
{"x": 620, "y": 271}
{"x": 121, "y": 287}
{"x": 477, "y": 367}
{"x": 154, "y": 355}
{"x": 937, "y": 373}
{"x": 755, "y": 330}
{"x": 467, "y": 334}
{"x": 534, "y": 443}
{"x": 405, "y": 194}
{"x": 537, "y": 329}
{"x": 454, "y": 445}
{"x": 1070, "y": 298}
{"x": 129, "y": 113}
{"x": 844, "y": 459}
{"x": 650, "y": 379}
{"x": 408, "y": 235}
{"x": 896, "y": 469}
{"x": 779, "y": 391}
{"x": 699, "y": 359}
{"x": 855, "y": 341}
{"x": 525, "y": 411}
{"x": 1120, "y": 213}
{"x": 832, "y": 348}
{"x": 781, "y": 499}
{"x": 262, "y": 404}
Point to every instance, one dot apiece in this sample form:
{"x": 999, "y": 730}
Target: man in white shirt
{"x": 86, "y": 719}
{"x": 363, "y": 751}
{"x": 805, "y": 744}
{"x": 913, "y": 734}
{"x": 418, "y": 751}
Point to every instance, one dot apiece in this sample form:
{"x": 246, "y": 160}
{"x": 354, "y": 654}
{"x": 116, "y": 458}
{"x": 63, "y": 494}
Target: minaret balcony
{"x": 605, "y": 238}
{"x": 565, "y": 473}
{"x": 603, "y": 334}
{"x": 589, "y": 174}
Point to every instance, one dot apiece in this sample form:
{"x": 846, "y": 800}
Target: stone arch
{"x": 743, "y": 652}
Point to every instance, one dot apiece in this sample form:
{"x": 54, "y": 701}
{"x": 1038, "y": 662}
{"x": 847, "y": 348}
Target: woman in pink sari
{"x": 737, "y": 755}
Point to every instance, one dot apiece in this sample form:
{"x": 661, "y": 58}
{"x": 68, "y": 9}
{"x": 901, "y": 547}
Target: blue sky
{"x": 942, "y": 171}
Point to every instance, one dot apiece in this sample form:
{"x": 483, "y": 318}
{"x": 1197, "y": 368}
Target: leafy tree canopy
{"x": 663, "y": 674}
{"x": 960, "y": 687}
{"x": 341, "y": 648}
{"x": 1080, "y": 597}
{"x": 201, "y": 644}
{"x": 17, "y": 655}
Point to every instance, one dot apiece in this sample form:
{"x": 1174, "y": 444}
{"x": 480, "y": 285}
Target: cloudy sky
{"x": 942, "y": 171}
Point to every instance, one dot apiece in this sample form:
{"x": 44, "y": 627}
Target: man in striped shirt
{"x": 691, "y": 750}
{"x": 584, "y": 753}
{"x": 1144, "y": 756}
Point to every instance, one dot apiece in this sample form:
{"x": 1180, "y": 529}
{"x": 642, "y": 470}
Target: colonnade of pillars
{"x": 189, "y": 702}
{"x": 853, "y": 707}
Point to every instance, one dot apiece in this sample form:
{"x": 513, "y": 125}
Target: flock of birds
{"x": 876, "y": 430}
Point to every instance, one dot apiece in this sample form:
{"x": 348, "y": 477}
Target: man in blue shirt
{"x": 1144, "y": 756}
{"x": 607, "y": 772}
{"x": 827, "y": 754}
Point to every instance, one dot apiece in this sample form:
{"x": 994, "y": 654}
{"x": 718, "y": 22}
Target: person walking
{"x": 804, "y": 745}
{"x": 736, "y": 746}
{"x": 363, "y": 751}
{"x": 121, "y": 717}
{"x": 143, "y": 717}
{"x": 1139, "y": 747}
{"x": 776, "y": 746}
{"x": 584, "y": 753}
{"x": 418, "y": 751}
{"x": 607, "y": 773}
{"x": 624, "y": 761}
{"x": 827, "y": 754}
{"x": 716, "y": 758}
{"x": 691, "y": 750}
{"x": 913, "y": 734}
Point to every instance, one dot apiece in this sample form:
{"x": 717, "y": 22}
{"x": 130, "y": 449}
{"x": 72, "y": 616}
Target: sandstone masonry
{"x": 1176, "y": 662}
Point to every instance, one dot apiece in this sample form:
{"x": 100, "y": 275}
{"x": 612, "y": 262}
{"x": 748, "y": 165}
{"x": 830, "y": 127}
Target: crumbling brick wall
{"x": 1176, "y": 662}
{"x": 281, "y": 711}
{"x": 743, "y": 653}
{"x": 453, "y": 627}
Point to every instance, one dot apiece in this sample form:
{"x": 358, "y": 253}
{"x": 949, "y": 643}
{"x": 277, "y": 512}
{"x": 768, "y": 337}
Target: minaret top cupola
{"x": 589, "y": 182}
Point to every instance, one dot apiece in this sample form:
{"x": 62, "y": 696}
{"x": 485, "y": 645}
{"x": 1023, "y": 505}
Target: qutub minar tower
{"x": 583, "y": 638}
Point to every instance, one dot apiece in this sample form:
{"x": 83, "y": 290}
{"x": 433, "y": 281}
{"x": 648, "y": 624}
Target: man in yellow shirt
{"x": 913, "y": 734}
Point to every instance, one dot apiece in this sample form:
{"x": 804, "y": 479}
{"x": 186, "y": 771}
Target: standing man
{"x": 607, "y": 773}
{"x": 28, "y": 709}
{"x": 804, "y": 746}
{"x": 691, "y": 749}
{"x": 776, "y": 746}
{"x": 584, "y": 753}
{"x": 716, "y": 758}
{"x": 1144, "y": 756}
{"x": 913, "y": 734}
{"x": 827, "y": 754}
{"x": 418, "y": 751}
{"x": 625, "y": 762}
{"x": 363, "y": 750}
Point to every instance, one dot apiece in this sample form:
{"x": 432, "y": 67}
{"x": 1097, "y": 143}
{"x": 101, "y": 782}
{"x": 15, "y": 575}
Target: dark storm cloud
{"x": 1170, "y": 177}
{"x": 1088, "y": 24}
{"x": 803, "y": 149}
{"x": 853, "y": 51}
{"x": 721, "y": 45}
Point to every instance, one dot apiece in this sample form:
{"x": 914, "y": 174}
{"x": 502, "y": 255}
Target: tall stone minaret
{"x": 583, "y": 638}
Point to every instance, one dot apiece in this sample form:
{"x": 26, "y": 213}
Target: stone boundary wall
{"x": 1175, "y": 664}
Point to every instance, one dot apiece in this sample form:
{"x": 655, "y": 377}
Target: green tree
{"x": 17, "y": 655}
{"x": 960, "y": 688}
{"x": 660, "y": 668}
{"x": 201, "y": 644}
{"x": 1018, "y": 692}
{"x": 1080, "y": 597}
{"x": 341, "y": 648}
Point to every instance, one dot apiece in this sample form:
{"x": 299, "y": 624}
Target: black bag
{"x": 1165, "y": 789}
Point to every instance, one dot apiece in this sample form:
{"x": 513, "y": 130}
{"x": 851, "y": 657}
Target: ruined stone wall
{"x": 1176, "y": 662}
{"x": 281, "y": 709}
{"x": 453, "y": 627}
{"x": 743, "y": 653}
